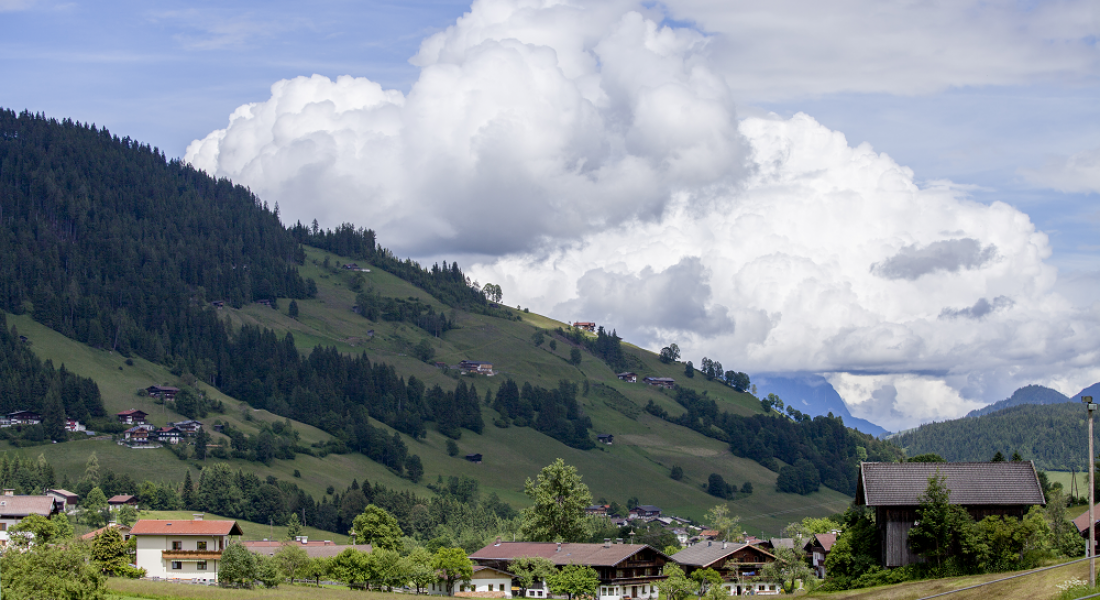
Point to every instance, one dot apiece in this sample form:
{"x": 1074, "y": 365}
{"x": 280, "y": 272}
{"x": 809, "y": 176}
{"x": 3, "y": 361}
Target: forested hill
{"x": 1051, "y": 435}
{"x": 1029, "y": 394}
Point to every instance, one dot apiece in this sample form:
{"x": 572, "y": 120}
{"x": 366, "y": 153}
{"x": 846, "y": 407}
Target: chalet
{"x": 117, "y": 502}
{"x": 164, "y": 392}
{"x": 168, "y": 435}
{"x": 664, "y": 382}
{"x": 123, "y": 530}
{"x": 315, "y": 549}
{"x": 264, "y": 301}
{"x": 350, "y": 266}
{"x": 187, "y": 428}
{"x": 218, "y": 304}
{"x": 138, "y": 435}
{"x": 65, "y": 499}
{"x": 738, "y": 564}
{"x": 628, "y": 377}
{"x": 24, "y": 339}
{"x": 73, "y": 426}
{"x": 625, "y": 570}
{"x": 817, "y": 548}
{"x": 476, "y": 366}
{"x": 182, "y": 549}
{"x": 605, "y": 438}
{"x": 14, "y": 509}
{"x": 132, "y": 416}
{"x": 645, "y": 511}
{"x": 24, "y": 417}
{"x": 474, "y": 458}
{"x": 600, "y": 510}
{"x": 982, "y": 488}
{"x": 585, "y": 325}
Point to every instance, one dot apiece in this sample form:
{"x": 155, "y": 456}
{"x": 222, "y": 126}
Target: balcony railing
{"x": 191, "y": 554}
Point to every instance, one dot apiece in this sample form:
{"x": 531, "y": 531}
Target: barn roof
{"x": 593, "y": 555}
{"x": 970, "y": 483}
{"x": 709, "y": 553}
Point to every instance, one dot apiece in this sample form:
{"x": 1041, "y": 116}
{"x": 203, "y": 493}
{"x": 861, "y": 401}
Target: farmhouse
{"x": 585, "y": 325}
{"x": 163, "y": 392}
{"x": 599, "y": 510}
{"x": 316, "y": 549}
{"x": 168, "y": 435}
{"x": 14, "y": 509}
{"x": 132, "y": 416}
{"x": 24, "y": 417}
{"x": 982, "y": 488}
{"x": 182, "y": 549}
{"x": 605, "y": 438}
{"x": 665, "y": 382}
{"x": 487, "y": 582}
{"x": 117, "y": 502}
{"x": 73, "y": 426}
{"x": 138, "y": 435}
{"x": 739, "y": 565}
{"x": 625, "y": 570}
{"x": 64, "y": 498}
{"x": 476, "y": 366}
{"x": 645, "y": 511}
{"x": 817, "y": 548}
{"x": 628, "y": 377}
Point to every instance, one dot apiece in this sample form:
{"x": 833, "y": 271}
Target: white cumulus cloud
{"x": 589, "y": 158}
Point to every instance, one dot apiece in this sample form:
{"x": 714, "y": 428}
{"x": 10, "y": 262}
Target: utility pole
{"x": 1091, "y": 553}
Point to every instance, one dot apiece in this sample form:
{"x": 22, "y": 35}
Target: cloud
{"x": 1078, "y": 173}
{"x": 16, "y": 5}
{"x": 980, "y": 309}
{"x": 590, "y": 159}
{"x": 946, "y": 255}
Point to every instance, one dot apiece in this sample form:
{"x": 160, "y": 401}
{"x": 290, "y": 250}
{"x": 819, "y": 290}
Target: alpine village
{"x": 201, "y": 402}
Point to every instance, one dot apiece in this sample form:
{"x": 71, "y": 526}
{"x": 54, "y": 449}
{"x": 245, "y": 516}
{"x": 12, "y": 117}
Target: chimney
{"x": 9, "y": 492}
{"x": 498, "y": 541}
{"x": 607, "y": 542}
{"x": 559, "y": 547}
{"x": 724, "y": 545}
{"x": 708, "y": 543}
{"x": 198, "y": 516}
{"x": 618, "y": 540}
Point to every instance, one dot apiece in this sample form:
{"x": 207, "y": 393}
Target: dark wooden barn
{"x": 983, "y": 489}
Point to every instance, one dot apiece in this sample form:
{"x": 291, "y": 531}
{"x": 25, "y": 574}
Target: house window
{"x": 201, "y": 565}
{"x": 3, "y": 526}
{"x": 200, "y": 546}
{"x": 177, "y": 565}
{"x": 177, "y": 545}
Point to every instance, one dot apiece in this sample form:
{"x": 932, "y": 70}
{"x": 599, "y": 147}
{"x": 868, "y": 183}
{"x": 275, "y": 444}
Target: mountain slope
{"x": 813, "y": 395}
{"x": 1029, "y": 394}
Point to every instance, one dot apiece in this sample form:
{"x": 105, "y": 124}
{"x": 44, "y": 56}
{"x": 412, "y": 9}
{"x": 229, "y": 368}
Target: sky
{"x": 901, "y": 197}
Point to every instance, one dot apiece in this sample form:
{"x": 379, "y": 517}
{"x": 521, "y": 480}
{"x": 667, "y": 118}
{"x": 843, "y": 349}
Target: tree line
{"x": 819, "y": 451}
{"x": 554, "y": 412}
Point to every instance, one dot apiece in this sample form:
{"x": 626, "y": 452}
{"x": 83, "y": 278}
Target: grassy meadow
{"x": 638, "y": 464}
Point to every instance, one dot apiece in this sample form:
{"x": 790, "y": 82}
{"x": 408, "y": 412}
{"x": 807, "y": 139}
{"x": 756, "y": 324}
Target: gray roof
{"x": 706, "y": 553}
{"x": 781, "y": 542}
{"x": 23, "y": 506}
{"x": 970, "y": 483}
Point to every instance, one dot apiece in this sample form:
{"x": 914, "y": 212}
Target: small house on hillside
{"x": 168, "y": 435}
{"x": 983, "y": 488}
{"x": 664, "y": 382}
{"x": 65, "y": 499}
{"x": 605, "y": 438}
{"x": 585, "y": 325}
{"x": 132, "y": 417}
{"x": 138, "y": 435}
{"x": 182, "y": 549}
{"x": 14, "y": 509}
{"x": 476, "y": 366}
{"x": 117, "y": 502}
{"x": 474, "y": 458}
{"x": 164, "y": 392}
{"x": 599, "y": 510}
{"x": 645, "y": 511}
{"x": 24, "y": 417}
{"x": 189, "y": 427}
{"x": 628, "y": 377}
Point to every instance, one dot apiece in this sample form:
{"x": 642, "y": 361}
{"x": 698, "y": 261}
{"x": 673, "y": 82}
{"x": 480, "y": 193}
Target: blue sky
{"x": 585, "y": 130}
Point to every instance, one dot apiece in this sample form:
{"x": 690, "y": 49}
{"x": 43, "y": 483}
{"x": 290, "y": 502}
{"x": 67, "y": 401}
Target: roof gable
{"x": 185, "y": 527}
{"x": 970, "y": 483}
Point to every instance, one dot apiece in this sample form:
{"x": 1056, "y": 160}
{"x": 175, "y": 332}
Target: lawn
{"x": 162, "y": 590}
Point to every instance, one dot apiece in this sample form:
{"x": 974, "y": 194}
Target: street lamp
{"x": 1092, "y": 517}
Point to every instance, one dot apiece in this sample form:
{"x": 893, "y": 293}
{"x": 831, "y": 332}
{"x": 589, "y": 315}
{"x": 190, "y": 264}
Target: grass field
{"x": 1040, "y": 586}
{"x": 637, "y": 464}
{"x": 160, "y": 590}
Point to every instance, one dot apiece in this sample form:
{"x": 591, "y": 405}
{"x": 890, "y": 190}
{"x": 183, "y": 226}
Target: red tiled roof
{"x": 185, "y": 527}
{"x": 826, "y": 540}
{"x": 596, "y": 555}
{"x": 124, "y": 530}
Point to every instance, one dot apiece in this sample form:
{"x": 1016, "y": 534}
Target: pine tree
{"x": 188, "y": 495}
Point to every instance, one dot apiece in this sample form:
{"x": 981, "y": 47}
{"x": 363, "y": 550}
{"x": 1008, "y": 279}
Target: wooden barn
{"x": 982, "y": 488}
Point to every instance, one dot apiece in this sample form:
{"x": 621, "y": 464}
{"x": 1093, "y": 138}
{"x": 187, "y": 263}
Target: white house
{"x": 486, "y": 582}
{"x": 14, "y": 509}
{"x": 182, "y": 549}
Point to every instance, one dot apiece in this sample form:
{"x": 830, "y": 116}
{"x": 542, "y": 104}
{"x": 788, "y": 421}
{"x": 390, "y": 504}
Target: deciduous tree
{"x": 574, "y": 581}
{"x": 559, "y": 499}
{"x": 378, "y": 528}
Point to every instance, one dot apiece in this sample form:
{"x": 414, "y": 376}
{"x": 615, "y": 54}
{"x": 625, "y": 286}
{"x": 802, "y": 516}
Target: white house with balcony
{"x": 182, "y": 549}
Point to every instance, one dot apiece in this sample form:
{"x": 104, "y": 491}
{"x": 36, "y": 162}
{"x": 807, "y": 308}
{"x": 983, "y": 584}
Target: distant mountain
{"x": 1093, "y": 390}
{"x": 1029, "y": 394}
{"x": 813, "y": 395}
